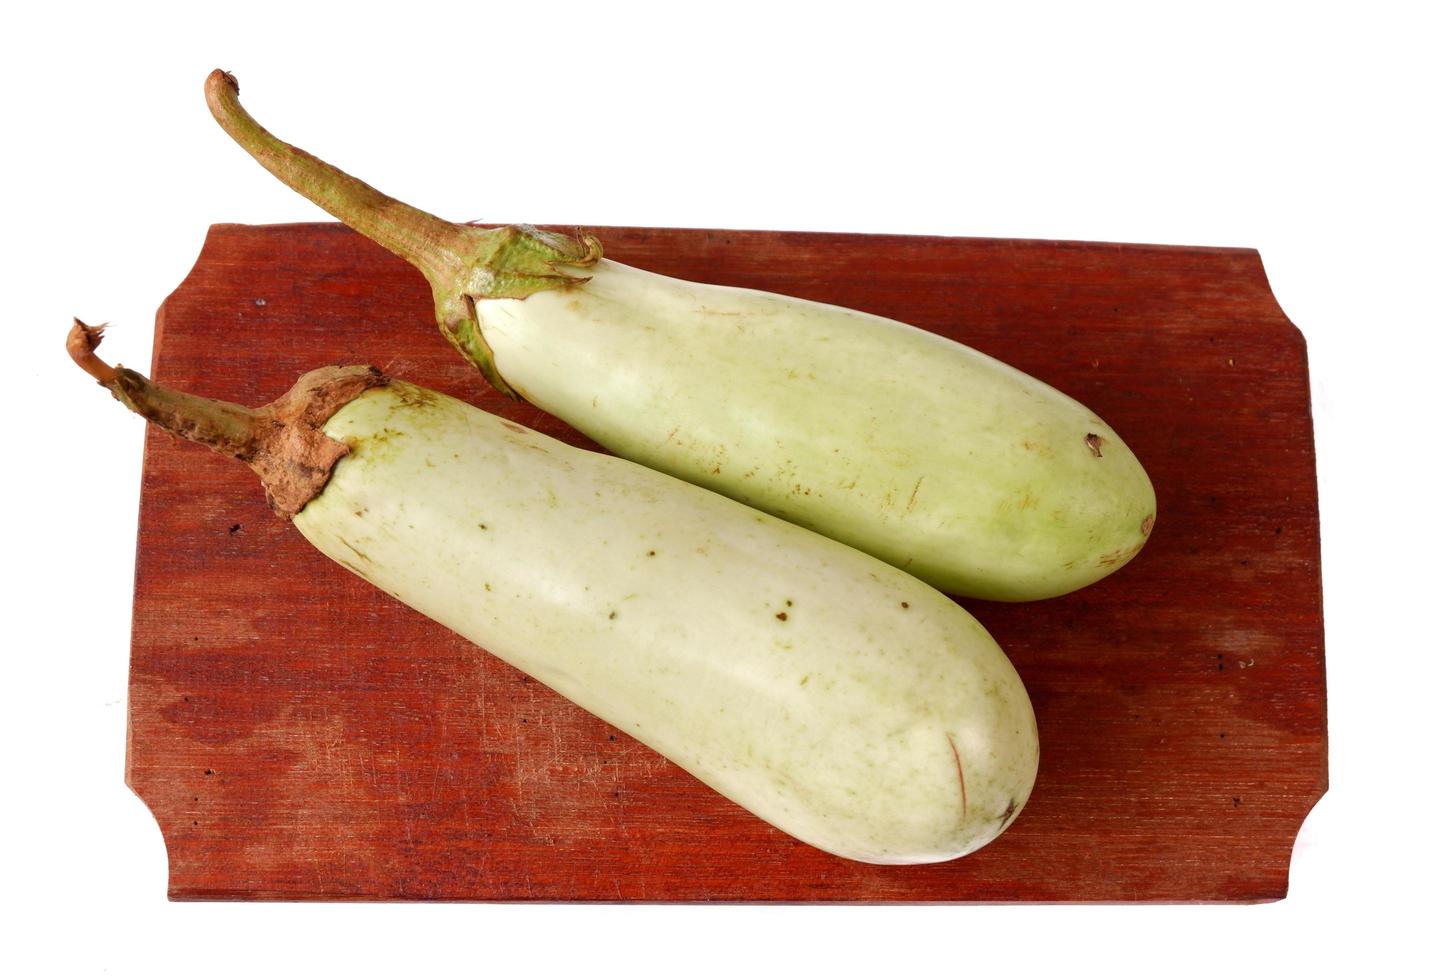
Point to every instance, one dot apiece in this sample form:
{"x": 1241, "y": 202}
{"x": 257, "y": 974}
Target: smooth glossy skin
{"x": 932, "y": 456}
{"x": 836, "y": 697}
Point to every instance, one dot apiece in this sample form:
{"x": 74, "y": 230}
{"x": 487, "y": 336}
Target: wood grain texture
{"x": 299, "y": 735}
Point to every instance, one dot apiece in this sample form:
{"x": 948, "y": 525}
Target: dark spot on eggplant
{"x": 1009, "y": 812}
{"x": 1093, "y": 442}
{"x": 904, "y": 605}
{"x": 781, "y": 616}
{"x": 415, "y": 397}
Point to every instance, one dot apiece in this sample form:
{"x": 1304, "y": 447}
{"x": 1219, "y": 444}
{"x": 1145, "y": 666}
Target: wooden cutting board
{"x": 299, "y": 735}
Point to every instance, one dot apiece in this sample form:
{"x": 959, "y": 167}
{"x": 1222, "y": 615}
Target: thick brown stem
{"x": 282, "y": 442}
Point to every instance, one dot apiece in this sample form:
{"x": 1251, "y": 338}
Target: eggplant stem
{"x": 231, "y": 430}
{"x": 423, "y": 239}
{"x": 463, "y": 263}
{"x": 282, "y": 441}
{"x": 81, "y": 345}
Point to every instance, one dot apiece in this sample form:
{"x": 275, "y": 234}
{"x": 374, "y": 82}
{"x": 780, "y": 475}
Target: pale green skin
{"x": 932, "y": 456}
{"x": 657, "y": 606}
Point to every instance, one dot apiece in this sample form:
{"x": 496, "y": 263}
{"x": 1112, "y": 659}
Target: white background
{"x": 1310, "y": 132}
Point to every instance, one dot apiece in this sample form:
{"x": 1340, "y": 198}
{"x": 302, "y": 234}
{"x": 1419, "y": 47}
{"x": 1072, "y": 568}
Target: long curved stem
{"x": 463, "y": 263}
{"x": 423, "y": 239}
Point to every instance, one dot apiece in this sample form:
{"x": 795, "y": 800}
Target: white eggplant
{"x": 936, "y": 458}
{"x": 840, "y": 699}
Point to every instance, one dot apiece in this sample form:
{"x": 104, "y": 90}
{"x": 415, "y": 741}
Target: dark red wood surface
{"x": 299, "y": 735}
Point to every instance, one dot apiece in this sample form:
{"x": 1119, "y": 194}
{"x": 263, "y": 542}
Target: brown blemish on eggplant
{"x": 355, "y": 550}
{"x": 1009, "y": 812}
{"x": 513, "y": 426}
{"x": 1147, "y": 525}
{"x": 912, "y": 495}
{"x": 1121, "y": 555}
{"x": 959, "y": 771}
{"x": 781, "y": 616}
{"x": 413, "y": 396}
{"x": 1093, "y": 442}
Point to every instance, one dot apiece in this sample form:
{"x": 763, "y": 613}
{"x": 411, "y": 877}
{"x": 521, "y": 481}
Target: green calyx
{"x": 463, "y": 263}
{"x": 511, "y": 262}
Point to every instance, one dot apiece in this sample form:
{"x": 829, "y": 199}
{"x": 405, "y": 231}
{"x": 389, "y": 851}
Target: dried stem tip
{"x": 282, "y": 442}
